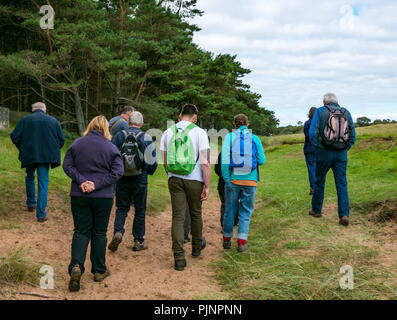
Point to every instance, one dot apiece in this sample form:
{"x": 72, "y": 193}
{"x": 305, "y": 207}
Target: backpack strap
{"x": 329, "y": 108}
{"x": 114, "y": 124}
{"x": 125, "y": 134}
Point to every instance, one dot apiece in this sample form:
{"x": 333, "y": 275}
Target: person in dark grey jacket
{"x": 39, "y": 139}
{"x": 310, "y": 151}
{"x": 94, "y": 164}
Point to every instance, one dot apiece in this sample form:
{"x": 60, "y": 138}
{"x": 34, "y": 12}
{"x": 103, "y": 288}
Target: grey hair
{"x": 39, "y": 106}
{"x": 330, "y": 98}
{"x": 136, "y": 118}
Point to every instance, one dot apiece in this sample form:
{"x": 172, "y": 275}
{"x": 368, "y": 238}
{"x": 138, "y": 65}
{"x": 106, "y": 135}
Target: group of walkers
{"x": 116, "y": 157}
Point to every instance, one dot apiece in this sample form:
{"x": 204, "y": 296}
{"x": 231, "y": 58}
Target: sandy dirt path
{"x": 134, "y": 275}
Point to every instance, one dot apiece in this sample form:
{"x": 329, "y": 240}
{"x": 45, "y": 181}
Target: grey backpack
{"x": 336, "y": 131}
{"x": 131, "y": 152}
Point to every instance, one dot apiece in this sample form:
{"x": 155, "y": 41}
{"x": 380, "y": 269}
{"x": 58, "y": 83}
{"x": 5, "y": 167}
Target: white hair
{"x": 136, "y": 118}
{"x": 39, "y": 106}
{"x": 330, "y": 98}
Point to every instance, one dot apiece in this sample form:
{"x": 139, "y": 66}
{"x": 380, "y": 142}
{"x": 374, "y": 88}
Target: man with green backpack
{"x": 185, "y": 149}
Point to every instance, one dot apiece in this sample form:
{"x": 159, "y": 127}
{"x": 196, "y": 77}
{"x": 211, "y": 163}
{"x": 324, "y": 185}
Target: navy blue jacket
{"x": 93, "y": 158}
{"x": 308, "y": 147}
{"x": 149, "y": 149}
{"x": 319, "y": 122}
{"x": 39, "y": 139}
{"x": 117, "y": 124}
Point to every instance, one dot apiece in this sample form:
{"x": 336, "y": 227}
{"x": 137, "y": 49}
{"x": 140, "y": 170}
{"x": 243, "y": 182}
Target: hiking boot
{"x": 196, "y": 252}
{"x": 314, "y": 214}
{"x": 227, "y": 244}
{"x": 99, "y": 277}
{"x": 75, "y": 276}
{"x": 203, "y": 243}
{"x": 242, "y": 247}
{"x": 117, "y": 238}
{"x": 41, "y": 220}
{"x": 180, "y": 265}
{"x": 344, "y": 221}
{"x": 186, "y": 240}
{"x": 139, "y": 246}
{"x": 31, "y": 209}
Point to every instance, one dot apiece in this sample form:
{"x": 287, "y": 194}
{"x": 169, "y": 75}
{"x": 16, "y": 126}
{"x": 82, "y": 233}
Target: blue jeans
{"x": 43, "y": 179}
{"x": 128, "y": 189}
{"x": 246, "y": 195}
{"x": 311, "y": 168}
{"x": 337, "y": 161}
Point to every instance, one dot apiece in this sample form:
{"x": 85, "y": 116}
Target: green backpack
{"x": 181, "y": 158}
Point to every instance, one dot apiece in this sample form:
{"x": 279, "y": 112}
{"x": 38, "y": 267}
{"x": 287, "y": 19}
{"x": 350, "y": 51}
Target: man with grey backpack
{"x": 332, "y": 133}
{"x": 139, "y": 155}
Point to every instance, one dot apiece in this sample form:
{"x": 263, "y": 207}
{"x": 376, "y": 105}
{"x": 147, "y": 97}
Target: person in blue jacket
{"x": 240, "y": 182}
{"x": 309, "y": 151}
{"x": 328, "y": 158}
{"x": 39, "y": 139}
{"x": 119, "y": 123}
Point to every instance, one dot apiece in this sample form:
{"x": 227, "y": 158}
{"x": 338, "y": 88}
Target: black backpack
{"x": 131, "y": 152}
{"x": 336, "y": 131}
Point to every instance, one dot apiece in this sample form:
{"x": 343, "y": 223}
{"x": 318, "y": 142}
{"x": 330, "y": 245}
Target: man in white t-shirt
{"x": 188, "y": 189}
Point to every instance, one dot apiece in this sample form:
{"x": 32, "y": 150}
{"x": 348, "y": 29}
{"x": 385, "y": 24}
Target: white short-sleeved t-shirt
{"x": 200, "y": 143}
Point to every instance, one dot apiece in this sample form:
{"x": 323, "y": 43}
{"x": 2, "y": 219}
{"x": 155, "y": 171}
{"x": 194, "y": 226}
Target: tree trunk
{"x": 42, "y": 90}
{"x": 140, "y": 88}
{"x": 123, "y": 8}
{"x": 26, "y": 100}
{"x": 47, "y": 32}
{"x": 79, "y": 112}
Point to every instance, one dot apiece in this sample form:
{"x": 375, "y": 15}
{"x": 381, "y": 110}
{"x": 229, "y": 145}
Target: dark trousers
{"x": 185, "y": 193}
{"x": 131, "y": 189}
{"x": 337, "y": 161}
{"x": 187, "y": 224}
{"x": 91, "y": 219}
{"x": 221, "y": 192}
{"x": 311, "y": 168}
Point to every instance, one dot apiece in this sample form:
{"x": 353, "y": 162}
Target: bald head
{"x": 39, "y": 106}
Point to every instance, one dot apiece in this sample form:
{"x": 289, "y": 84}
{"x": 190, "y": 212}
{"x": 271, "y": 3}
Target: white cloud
{"x": 298, "y": 50}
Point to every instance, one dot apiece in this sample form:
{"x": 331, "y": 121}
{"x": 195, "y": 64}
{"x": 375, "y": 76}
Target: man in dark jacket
{"x": 120, "y": 122}
{"x": 328, "y": 158}
{"x": 309, "y": 151}
{"x": 133, "y": 187}
{"x": 39, "y": 139}
{"x": 221, "y": 190}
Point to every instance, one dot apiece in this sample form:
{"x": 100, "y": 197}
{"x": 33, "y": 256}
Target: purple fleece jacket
{"x": 93, "y": 158}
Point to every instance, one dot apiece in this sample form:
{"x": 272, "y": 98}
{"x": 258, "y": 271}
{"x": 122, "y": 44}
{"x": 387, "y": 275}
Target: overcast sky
{"x": 300, "y": 49}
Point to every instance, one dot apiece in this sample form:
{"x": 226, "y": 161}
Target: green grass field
{"x": 292, "y": 255}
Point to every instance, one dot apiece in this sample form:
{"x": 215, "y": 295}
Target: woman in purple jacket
{"x": 94, "y": 164}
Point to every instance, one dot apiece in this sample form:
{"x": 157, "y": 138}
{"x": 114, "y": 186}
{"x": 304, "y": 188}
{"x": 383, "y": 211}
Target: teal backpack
{"x": 181, "y": 158}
